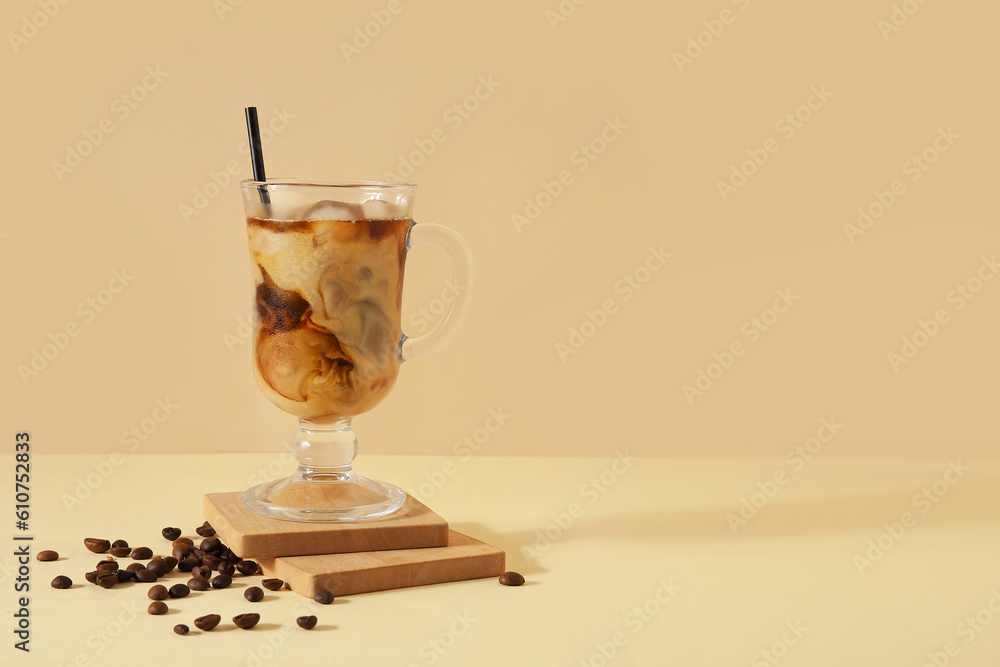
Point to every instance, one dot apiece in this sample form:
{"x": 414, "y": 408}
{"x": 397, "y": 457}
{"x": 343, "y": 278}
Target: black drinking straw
{"x": 256, "y": 153}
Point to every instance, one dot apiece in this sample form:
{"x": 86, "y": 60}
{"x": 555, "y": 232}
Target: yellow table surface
{"x": 632, "y": 563}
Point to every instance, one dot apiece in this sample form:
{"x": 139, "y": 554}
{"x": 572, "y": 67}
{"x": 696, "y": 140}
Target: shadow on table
{"x": 511, "y": 543}
{"x": 970, "y": 500}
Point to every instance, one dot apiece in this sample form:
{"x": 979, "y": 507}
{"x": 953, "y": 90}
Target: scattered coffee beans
{"x": 323, "y": 596}
{"x": 208, "y": 622}
{"x": 145, "y": 576}
{"x": 118, "y": 544}
{"x": 222, "y": 581}
{"x": 62, "y": 582}
{"x": 171, "y": 533}
{"x": 306, "y": 622}
{"x": 246, "y": 621}
{"x": 247, "y": 567}
{"x": 198, "y": 584}
{"x": 47, "y": 555}
{"x": 157, "y": 592}
{"x": 511, "y": 579}
{"x": 120, "y": 552}
{"x": 178, "y": 591}
{"x": 205, "y": 530}
{"x": 157, "y": 608}
{"x": 181, "y": 629}
{"x": 97, "y": 545}
{"x": 142, "y": 553}
{"x": 253, "y": 594}
{"x": 272, "y": 584}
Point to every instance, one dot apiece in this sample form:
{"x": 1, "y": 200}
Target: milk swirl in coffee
{"x": 328, "y": 293}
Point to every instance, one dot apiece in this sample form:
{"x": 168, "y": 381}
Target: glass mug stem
{"x": 325, "y": 451}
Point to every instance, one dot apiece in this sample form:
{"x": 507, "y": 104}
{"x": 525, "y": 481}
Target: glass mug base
{"x": 315, "y": 496}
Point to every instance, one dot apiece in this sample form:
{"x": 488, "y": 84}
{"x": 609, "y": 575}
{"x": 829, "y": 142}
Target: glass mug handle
{"x": 461, "y": 260}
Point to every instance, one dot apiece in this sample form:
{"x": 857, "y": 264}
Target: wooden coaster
{"x": 251, "y": 535}
{"x": 350, "y": 573}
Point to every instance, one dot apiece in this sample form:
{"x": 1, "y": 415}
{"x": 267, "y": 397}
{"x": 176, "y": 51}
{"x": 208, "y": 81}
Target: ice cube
{"x": 380, "y": 209}
{"x": 334, "y": 210}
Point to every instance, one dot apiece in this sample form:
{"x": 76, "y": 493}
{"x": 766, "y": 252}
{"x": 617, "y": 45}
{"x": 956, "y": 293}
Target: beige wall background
{"x": 150, "y": 99}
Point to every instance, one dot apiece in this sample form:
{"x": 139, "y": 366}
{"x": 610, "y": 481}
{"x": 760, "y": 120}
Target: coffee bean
{"x": 306, "y": 622}
{"x": 145, "y": 576}
{"x": 92, "y": 576}
{"x": 47, "y": 555}
{"x": 162, "y": 566}
{"x": 157, "y": 592}
{"x": 272, "y": 584}
{"x": 210, "y": 561}
{"x": 108, "y": 565}
{"x": 210, "y": 544}
{"x": 323, "y": 596}
{"x": 141, "y": 553}
{"x": 187, "y": 564}
{"x": 157, "y": 608}
{"x": 222, "y": 581}
{"x": 169, "y": 563}
{"x": 208, "y": 622}
{"x": 201, "y": 572}
{"x": 226, "y": 568}
{"x": 125, "y": 576}
{"x": 97, "y": 545}
{"x": 119, "y": 552}
{"x": 511, "y": 579}
{"x": 171, "y": 533}
{"x": 135, "y": 567}
{"x": 178, "y": 591}
{"x": 198, "y": 584}
{"x": 186, "y": 541}
{"x": 246, "y": 621}
{"x": 180, "y": 553}
{"x": 106, "y": 579}
{"x": 62, "y": 582}
{"x": 181, "y": 629}
{"x": 247, "y": 567}
{"x": 119, "y": 543}
{"x": 205, "y": 530}
{"x": 253, "y": 594}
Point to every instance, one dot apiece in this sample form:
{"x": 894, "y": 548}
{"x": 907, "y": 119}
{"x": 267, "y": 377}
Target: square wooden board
{"x": 251, "y": 535}
{"x": 351, "y": 573}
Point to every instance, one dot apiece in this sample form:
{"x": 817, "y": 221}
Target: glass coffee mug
{"x": 327, "y": 259}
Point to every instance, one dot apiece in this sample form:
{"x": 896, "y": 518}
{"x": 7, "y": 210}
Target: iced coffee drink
{"x": 328, "y": 294}
{"x": 327, "y": 262}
